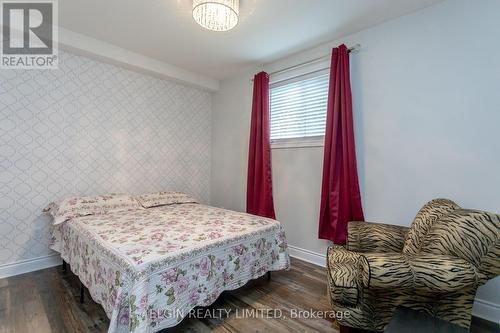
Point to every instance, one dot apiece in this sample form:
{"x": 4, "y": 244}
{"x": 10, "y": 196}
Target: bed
{"x": 149, "y": 267}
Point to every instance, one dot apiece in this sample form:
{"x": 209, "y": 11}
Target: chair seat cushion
{"x": 343, "y": 273}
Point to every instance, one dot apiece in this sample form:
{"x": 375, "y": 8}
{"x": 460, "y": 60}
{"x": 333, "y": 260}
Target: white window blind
{"x": 298, "y": 106}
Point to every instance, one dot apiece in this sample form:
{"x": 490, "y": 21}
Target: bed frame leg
{"x": 269, "y": 276}
{"x": 64, "y": 266}
{"x": 82, "y": 293}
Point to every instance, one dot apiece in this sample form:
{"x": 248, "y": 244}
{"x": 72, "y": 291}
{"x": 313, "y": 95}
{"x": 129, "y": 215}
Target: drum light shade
{"x": 216, "y": 15}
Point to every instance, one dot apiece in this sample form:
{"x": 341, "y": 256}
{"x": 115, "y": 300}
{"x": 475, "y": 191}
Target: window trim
{"x": 301, "y": 142}
{"x": 299, "y": 77}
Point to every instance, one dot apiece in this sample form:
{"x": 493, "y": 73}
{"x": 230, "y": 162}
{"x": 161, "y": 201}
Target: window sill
{"x": 298, "y": 143}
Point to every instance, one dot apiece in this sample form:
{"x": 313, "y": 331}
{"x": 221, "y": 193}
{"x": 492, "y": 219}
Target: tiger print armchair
{"x": 435, "y": 266}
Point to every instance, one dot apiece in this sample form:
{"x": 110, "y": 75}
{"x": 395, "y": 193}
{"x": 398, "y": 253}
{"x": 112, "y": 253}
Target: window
{"x": 298, "y": 107}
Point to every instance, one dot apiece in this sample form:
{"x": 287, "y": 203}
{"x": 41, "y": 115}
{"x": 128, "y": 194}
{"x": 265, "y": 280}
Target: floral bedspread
{"x": 148, "y": 268}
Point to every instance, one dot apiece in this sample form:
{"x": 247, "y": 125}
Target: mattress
{"x": 149, "y": 268}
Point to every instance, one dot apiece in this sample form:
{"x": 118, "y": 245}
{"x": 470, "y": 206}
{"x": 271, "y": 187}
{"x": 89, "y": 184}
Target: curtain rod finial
{"x": 355, "y": 48}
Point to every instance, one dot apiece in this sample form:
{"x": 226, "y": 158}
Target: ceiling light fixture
{"x": 216, "y": 15}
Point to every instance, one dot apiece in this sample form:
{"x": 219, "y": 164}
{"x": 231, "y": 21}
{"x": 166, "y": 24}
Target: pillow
{"x": 464, "y": 233}
{"x": 51, "y": 208}
{"x": 82, "y": 206}
{"x": 423, "y": 222}
{"x": 164, "y": 198}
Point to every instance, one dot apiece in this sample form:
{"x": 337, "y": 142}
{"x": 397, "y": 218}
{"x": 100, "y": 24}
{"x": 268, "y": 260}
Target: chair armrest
{"x": 425, "y": 272}
{"x": 375, "y": 237}
{"x": 344, "y": 282}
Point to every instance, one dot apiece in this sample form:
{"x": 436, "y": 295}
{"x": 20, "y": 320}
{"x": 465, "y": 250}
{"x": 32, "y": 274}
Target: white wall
{"x": 91, "y": 128}
{"x": 426, "y": 109}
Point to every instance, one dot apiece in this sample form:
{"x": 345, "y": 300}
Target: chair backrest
{"x": 490, "y": 265}
{"x": 468, "y": 234}
{"x": 423, "y": 222}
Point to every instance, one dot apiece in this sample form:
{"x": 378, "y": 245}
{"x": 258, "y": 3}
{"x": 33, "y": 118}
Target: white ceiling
{"x": 268, "y": 29}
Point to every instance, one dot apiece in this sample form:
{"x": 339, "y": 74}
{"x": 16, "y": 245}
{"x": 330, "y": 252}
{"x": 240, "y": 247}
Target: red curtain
{"x": 340, "y": 196}
{"x": 259, "y": 180}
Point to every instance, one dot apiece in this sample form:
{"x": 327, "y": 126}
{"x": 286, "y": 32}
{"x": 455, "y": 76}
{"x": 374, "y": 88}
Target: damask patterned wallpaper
{"x": 92, "y": 128}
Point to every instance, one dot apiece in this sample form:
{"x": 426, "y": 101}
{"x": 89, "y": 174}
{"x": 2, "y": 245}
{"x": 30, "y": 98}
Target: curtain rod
{"x": 353, "y": 49}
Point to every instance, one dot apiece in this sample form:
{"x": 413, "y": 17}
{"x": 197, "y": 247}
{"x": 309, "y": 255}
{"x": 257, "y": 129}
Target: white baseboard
{"x": 306, "y": 255}
{"x": 29, "y": 265}
{"x": 482, "y": 309}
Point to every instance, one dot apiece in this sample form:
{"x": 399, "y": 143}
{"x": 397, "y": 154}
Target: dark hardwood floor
{"x": 48, "y": 301}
